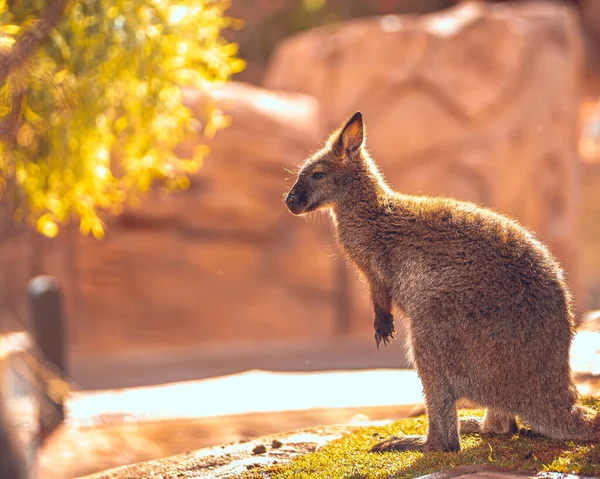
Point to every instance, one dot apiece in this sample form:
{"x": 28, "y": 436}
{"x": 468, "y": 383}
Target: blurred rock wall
{"x": 478, "y": 102}
{"x": 223, "y": 260}
{"x": 268, "y": 22}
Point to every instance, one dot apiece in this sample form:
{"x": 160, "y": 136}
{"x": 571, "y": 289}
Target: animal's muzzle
{"x": 296, "y": 202}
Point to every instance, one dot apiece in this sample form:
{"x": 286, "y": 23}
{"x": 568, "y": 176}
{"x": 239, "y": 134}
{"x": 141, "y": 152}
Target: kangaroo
{"x": 488, "y": 313}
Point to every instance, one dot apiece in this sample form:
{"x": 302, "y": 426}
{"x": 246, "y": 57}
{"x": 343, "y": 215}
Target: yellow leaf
{"x": 97, "y": 228}
{"x": 47, "y": 226}
{"x": 7, "y": 41}
{"x": 184, "y": 183}
{"x": 237, "y": 65}
{"x": 61, "y": 44}
{"x": 84, "y": 225}
{"x": 11, "y": 29}
{"x": 313, "y": 5}
{"x": 33, "y": 118}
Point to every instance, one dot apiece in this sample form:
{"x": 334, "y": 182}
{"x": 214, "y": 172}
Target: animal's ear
{"x": 352, "y": 136}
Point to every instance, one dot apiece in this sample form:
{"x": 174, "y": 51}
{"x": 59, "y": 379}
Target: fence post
{"x": 50, "y": 339}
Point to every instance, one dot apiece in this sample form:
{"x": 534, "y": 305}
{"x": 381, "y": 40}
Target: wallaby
{"x": 487, "y": 309}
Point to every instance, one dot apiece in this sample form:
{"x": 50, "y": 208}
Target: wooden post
{"x": 50, "y": 339}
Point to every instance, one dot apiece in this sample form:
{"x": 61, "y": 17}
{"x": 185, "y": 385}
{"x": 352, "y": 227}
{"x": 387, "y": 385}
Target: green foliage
{"x": 349, "y": 457}
{"x": 100, "y": 107}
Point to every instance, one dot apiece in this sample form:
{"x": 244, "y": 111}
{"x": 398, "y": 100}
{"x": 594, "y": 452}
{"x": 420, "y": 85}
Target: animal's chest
{"x": 364, "y": 250}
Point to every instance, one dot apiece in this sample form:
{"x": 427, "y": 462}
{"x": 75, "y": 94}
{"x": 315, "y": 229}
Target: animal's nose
{"x": 291, "y": 197}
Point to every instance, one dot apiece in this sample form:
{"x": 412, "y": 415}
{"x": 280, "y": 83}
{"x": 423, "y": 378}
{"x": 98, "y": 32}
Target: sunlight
{"x": 450, "y": 24}
{"x": 176, "y": 14}
{"x": 263, "y": 391}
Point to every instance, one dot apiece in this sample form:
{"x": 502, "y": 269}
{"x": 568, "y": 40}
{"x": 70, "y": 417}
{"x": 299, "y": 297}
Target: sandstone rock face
{"x": 590, "y": 219}
{"x": 267, "y": 22}
{"x": 590, "y": 19}
{"x": 477, "y": 102}
{"x": 589, "y": 253}
{"x": 590, "y": 15}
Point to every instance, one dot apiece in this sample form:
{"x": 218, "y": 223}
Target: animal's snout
{"x": 296, "y": 201}
{"x": 291, "y": 198}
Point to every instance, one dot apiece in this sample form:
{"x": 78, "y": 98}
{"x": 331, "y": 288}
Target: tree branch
{"x": 29, "y": 41}
{"x": 9, "y": 125}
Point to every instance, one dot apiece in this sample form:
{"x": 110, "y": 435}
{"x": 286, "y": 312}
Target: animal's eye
{"x": 318, "y": 174}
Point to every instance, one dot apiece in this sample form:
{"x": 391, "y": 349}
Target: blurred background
{"x": 144, "y": 163}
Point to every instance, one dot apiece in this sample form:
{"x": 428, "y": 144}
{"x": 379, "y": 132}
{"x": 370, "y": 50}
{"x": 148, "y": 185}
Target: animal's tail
{"x": 576, "y": 423}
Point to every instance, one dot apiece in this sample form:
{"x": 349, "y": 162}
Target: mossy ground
{"x": 349, "y": 457}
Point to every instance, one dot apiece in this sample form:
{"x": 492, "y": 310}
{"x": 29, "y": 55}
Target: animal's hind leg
{"x": 442, "y": 432}
{"x": 499, "y": 422}
{"x": 470, "y": 425}
{"x": 442, "y": 418}
{"x": 572, "y": 421}
{"x": 494, "y": 422}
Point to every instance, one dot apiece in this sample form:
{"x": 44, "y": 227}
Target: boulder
{"x": 590, "y": 19}
{"x": 225, "y": 259}
{"x": 477, "y": 102}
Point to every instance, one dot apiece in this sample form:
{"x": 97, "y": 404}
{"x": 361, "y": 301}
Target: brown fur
{"x": 487, "y": 308}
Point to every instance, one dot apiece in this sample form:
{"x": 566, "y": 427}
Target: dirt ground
{"x": 229, "y": 460}
{"x": 106, "y": 429}
{"x": 90, "y": 441}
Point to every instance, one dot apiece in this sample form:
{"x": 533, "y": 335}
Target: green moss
{"x": 349, "y": 457}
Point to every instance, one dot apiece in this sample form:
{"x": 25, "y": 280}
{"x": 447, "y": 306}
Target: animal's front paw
{"x": 384, "y": 328}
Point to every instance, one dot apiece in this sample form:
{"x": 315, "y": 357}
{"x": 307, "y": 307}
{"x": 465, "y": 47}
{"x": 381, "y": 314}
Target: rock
{"x": 589, "y": 147}
{"x": 590, "y": 15}
{"x": 476, "y": 102}
{"x": 590, "y": 19}
{"x": 225, "y": 259}
{"x": 590, "y": 226}
{"x": 276, "y": 444}
{"x": 230, "y": 460}
{"x": 259, "y": 449}
{"x": 267, "y": 22}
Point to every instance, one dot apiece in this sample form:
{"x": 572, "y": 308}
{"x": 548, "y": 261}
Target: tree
{"x": 91, "y": 106}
